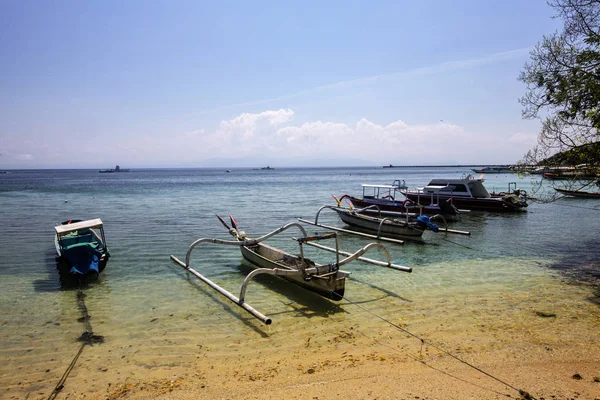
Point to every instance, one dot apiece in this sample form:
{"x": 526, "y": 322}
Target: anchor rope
{"x": 63, "y": 379}
{"x": 86, "y": 338}
{"x": 458, "y": 244}
{"x": 523, "y": 393}
{"x": 430, "y": 366}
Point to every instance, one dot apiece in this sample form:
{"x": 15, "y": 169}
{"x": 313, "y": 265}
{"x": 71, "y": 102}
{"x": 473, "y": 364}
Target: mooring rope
{"x": 63, "y": 379}
{"x": 521, "y": 392}
{"x": 86, "y": 338}
{"x": 431, "y": 366}
{"x": 458, "y": 244}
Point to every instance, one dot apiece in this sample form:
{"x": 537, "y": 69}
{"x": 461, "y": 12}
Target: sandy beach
{"x": 485, "y": 347}
{"x": 346, "y": 372}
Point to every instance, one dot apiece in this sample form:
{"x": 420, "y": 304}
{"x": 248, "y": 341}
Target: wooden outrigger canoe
{"x": 379, "y": 227}
{"x": 327, "y": 280}
{"x": 578, "y": 193}
{"x": 387, "y": 226}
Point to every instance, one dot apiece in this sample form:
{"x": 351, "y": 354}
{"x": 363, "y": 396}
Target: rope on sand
{"x": 63, "y": 379}
{"x": 86, "y": 338}
{"x": 524, "y": 394}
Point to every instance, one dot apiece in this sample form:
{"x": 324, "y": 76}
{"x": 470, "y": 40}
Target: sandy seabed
{"x": 543, "y": 341}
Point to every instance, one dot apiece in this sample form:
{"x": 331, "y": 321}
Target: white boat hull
{"x": 389, "y": 227}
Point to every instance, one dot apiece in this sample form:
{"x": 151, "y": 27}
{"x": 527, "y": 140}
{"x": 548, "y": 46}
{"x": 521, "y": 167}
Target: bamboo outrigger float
{"x": 327, "y": 280}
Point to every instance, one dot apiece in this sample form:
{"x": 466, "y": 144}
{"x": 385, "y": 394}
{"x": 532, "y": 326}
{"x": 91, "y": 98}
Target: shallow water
{"x": 153, "y": 314}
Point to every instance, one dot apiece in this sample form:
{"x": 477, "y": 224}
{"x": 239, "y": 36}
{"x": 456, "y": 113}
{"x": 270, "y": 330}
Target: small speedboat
{"x": 469, "y": 193}
{"x": 387, "y": 199}
{"x": 81, "y": 249}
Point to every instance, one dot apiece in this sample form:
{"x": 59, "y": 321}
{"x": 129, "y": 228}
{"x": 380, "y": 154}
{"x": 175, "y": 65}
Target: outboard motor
{"x": 424, "y": 222}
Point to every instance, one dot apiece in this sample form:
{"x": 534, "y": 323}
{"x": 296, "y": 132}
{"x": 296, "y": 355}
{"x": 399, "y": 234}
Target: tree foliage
{"x": 563, "y": 85}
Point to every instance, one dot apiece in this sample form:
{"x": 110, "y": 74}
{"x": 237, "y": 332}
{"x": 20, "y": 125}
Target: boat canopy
{"x": 380, "y": 191}
{"x": 379, "y": 186}
{"x": 62, "y": 230}
{"x": 467, "y": 185}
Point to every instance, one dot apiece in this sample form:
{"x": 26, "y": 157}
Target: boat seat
{"x": 92, "y": 245}
{"x": 85, "y": 238}
{"x": 68, "y": 241}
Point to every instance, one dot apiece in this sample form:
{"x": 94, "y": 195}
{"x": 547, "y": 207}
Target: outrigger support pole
{"x": 241, "y": 242}
{"x": 240, "y": 302}
{"x": 269, "y": 271}
{"x": 333, "y": 228}
{"x": 357, "y": 256}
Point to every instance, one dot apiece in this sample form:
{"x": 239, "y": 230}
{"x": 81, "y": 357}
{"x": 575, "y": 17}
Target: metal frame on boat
{"x": 380, "y": 227}
{"x": 392, "y": 200}
{"x": 327, "y": 280}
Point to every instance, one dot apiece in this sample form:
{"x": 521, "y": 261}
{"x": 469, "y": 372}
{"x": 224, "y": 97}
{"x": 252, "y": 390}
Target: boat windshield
{"x": 380, "y": 191}
{"x": 478, "y": 190}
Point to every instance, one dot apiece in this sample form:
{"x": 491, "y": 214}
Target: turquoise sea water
{"x": 150, "y": 214}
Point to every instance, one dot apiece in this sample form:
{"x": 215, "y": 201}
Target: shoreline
{"x": 539, "y": 340}
{"x": 500, "y": 299}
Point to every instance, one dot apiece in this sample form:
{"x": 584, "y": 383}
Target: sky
{"x": 168, "y": 84}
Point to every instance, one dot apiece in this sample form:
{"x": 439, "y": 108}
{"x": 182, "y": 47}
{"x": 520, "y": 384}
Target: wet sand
{"x": 543, "y": 340}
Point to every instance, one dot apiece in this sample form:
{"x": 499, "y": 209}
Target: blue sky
{"x": 92, "y": 84}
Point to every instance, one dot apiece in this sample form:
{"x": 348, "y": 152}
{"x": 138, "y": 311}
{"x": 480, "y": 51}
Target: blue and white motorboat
{"x": 82, "y": 251}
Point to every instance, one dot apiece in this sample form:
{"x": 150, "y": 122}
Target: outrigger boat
{"x": 327, "y": 280}
{"x": 578, "y": 193}
{"x": 81, "y": 250}
{"x": 382, "y": 227}
{"x": 392, "y": 200}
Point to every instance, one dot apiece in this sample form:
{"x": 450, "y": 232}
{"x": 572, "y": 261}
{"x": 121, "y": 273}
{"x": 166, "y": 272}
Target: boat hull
{"x": 495, "y": 204}
{"x": 399, "y": 206}
{"x": 579, "y": 193}
{"x": 69, "y": 278}
{"x": 373, "y": 225}
{"x": 331, "y": 285}
{"x": 81, "y": 253}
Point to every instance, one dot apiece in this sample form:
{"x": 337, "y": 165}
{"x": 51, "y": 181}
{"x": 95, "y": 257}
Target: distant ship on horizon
{"x": 110, "y": 171}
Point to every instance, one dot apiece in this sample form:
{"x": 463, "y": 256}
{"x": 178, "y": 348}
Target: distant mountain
{"x": 277, "y": 162}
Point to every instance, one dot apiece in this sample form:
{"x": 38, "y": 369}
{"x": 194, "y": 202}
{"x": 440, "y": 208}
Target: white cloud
{"x": 253, "y": 138}
{"x": 271, "y": 133}
{"x": 313, "y": 135}
{"x": 246, "y": 124}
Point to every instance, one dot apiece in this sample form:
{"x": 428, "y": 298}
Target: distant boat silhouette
{"x": 110, "y": 171}
{"x": 267, "y": 167}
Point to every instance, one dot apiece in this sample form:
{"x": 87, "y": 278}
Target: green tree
{"x": 563, "y": 87}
